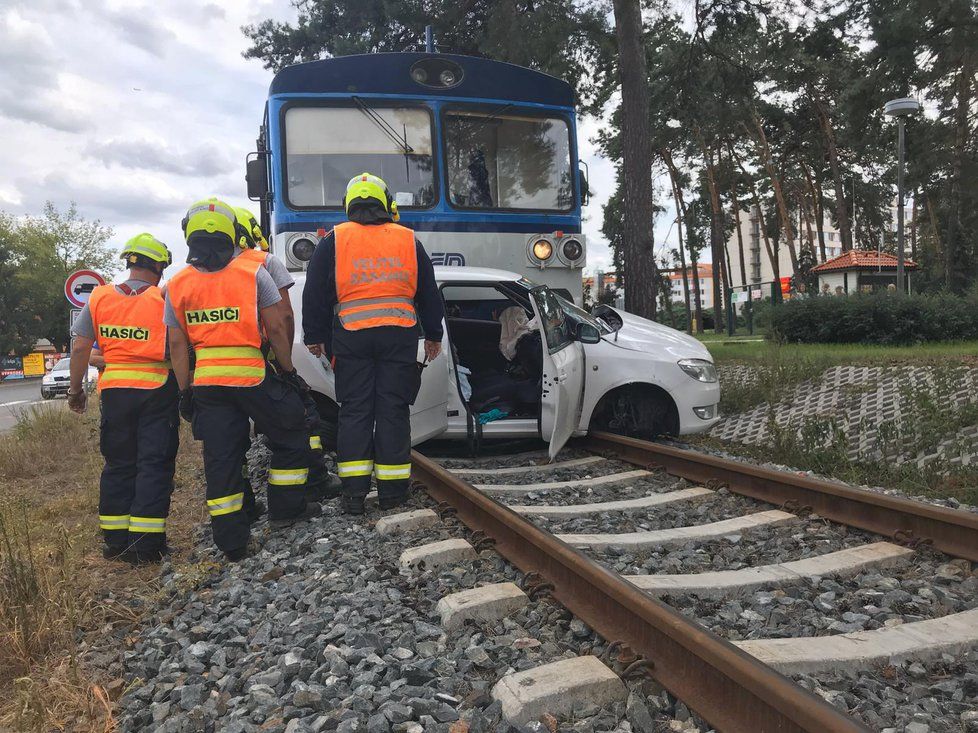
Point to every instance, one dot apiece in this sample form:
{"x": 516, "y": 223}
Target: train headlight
{"x": 542, "y": 250}
{"x": 572, "y": 250}
{"x": 436, "y": 72}
{"x": 303, "y": 248}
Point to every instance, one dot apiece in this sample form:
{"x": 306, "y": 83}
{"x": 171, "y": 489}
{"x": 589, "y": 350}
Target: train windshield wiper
{"x": 385, "y": 127}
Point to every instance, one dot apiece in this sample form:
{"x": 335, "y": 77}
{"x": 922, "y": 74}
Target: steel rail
{"x": 950, "y": 530}
{"x": 727, "y": 687}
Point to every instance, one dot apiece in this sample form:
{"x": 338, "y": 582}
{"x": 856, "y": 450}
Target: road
{"x": 19, "y": 395}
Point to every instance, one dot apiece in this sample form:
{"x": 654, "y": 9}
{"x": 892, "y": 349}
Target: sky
{"x": 134, "y": 110}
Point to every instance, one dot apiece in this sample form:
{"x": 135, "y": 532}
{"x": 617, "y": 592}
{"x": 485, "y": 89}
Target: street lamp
{"x": 900, "y": 108}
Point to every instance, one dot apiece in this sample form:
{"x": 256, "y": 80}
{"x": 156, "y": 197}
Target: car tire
{"x": 636, "y": 411}
{"x": 46, "y": 395}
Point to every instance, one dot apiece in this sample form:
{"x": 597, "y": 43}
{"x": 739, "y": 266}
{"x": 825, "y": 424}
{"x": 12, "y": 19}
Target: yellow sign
{"x": 34, "y": 365}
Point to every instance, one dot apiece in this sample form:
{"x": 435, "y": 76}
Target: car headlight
{"x": 699, "y": 369}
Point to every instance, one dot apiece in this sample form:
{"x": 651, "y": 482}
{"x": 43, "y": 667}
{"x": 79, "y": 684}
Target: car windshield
{"x": 62, "y": 365}
{"x": 508, "y": 161}
{"x": 327, "y": 146}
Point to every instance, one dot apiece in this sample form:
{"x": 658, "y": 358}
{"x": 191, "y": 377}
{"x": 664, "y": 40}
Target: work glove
{"x": 295, "y": 381}
{"x": 78, "y": 401}
{"x": 187, "y": 404}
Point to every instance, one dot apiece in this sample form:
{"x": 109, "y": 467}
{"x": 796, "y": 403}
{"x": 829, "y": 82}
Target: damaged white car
{"x": 520, "y": 361}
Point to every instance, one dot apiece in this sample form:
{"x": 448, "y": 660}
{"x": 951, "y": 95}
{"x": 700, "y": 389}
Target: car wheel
{"x": 636, "y": 411}
{"x": 46, "y": 395}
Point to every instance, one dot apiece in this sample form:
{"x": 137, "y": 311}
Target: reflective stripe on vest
{"x": 149, "y": 375}
{"x": 219, "y": 313}
{"x": 376, "y": 275}
{"x": 131, "y": 335}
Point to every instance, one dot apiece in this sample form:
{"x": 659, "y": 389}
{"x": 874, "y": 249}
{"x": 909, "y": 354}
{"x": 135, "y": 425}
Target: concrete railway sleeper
{"x": 726, "y": 689}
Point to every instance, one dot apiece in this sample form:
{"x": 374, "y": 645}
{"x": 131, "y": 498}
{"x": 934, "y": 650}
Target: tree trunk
{"x": 756, "y": 199}
{"x": 913, "y": 228}
{"x": 735, "y": 213}
{"x": 955, "y": 274}
{"x": 807, "y": 216}
{"x": 841, "y": 211}
{"x": 716, "y": 234}
{"x": 784, "y": 217}
{"x": 932, "y": 215}
{"x": 639, "y": 260}
{"x": 677, "y": 196}
{"x": 815, "y": 189}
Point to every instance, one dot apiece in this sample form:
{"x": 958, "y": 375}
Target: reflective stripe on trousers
{"x": 113, "y": 521}
{"x": 287, "y": 476}
{"x": 147, "y": 524}
{"x": 225, "y": 504}
{"x": 354, "y": 468}
{"x": 392, "y": 472}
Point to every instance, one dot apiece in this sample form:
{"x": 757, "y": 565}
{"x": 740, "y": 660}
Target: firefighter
{"x": 139, "y": 426}
{"x": 221, "y": 305}
{"x": 377, "y": 279}
{"x": 322, "y": 484}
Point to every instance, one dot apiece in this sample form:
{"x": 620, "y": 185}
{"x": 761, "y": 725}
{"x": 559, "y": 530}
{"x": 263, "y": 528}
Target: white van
{"x": 607, "y": 371}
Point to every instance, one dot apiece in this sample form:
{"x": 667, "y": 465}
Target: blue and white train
{"x": 481, "y": 157}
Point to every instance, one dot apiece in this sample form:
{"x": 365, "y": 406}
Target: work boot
{"x": 327, "y": 486}
{"x": 311, "y": 511}
{"x": 237, "y": 555}
{"x": 113, "y": 552}
{"x": 353, "y": 505}
{"x": 143, "y": 557}
{"x": 256, "y": 511}
{"x": 392, "y": 502}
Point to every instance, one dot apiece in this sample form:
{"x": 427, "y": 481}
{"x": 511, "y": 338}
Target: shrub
{"x": 881, "y": 318}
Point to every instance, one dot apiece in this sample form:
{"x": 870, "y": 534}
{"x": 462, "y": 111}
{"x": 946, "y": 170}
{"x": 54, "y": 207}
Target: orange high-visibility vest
{"x": 130, "y": 333}
{"x": 219, "y": 314}
{"x": 376, "y": 275}
{"x": 257, "y": 255}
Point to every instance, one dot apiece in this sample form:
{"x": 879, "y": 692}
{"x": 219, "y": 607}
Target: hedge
{"x": 881, "y": 318}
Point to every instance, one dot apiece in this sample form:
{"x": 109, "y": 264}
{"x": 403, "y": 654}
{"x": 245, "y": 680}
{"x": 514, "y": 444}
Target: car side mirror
{"x": 256, "y": 176}
{"x": 588, "y": 334}
{"x": 585, "y": 189}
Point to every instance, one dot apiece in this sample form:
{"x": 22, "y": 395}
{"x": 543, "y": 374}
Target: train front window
{"x": 508, "y": 161}
{"x": 327, "y": 146}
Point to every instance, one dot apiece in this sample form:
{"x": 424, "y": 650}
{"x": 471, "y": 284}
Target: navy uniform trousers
{"x": 376, "y": 381}
{"x": 221, "y": 423}
{"x": 138, "y": 437}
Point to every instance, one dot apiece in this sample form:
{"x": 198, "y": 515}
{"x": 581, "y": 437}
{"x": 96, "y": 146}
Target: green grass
{"x": 760, "y": 352}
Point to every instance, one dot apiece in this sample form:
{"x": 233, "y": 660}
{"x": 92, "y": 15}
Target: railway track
{"x": 589, "y": 529}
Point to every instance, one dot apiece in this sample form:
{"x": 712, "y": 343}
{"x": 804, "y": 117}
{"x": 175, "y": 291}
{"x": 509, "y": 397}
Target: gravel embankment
{"x": 321, "y": 631}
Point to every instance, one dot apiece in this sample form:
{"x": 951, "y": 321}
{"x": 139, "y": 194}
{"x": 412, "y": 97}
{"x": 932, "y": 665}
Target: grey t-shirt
{"x": 85, "y": 327}
{"x": 267, "y": 295}
{"x": 279, "y": 272}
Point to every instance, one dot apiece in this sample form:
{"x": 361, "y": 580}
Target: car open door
{"x": 563, "y": 371}
{"x": 429, "y": 413}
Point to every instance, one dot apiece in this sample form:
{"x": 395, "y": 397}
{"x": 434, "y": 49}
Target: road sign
{"x": 80, "y": 285}
{"x": 72, "y": 317}
{"x": 34, "y": 364}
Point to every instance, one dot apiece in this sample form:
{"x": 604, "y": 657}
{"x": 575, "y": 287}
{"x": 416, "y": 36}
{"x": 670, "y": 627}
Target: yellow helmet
{"x": 369, "y": 186}
{"x": 211, "y": 216}
{"x": 249, "y": 233}
{"x": 146, "y": 245}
